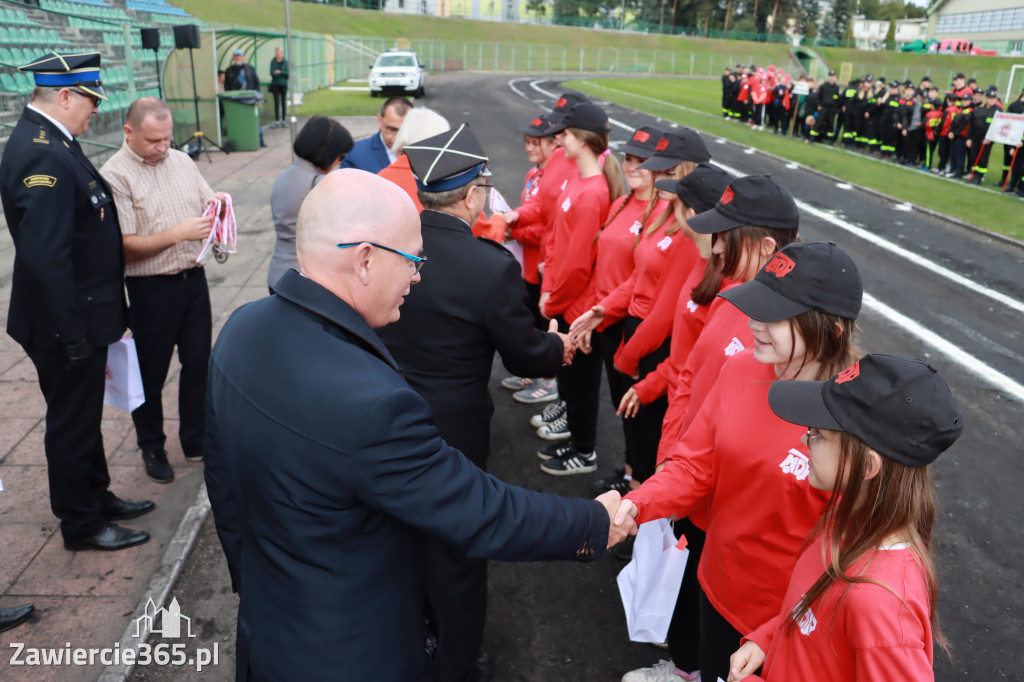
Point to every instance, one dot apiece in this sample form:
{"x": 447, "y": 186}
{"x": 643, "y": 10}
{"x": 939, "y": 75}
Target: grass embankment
{"x": 941, "y": 67}
{"x": 702, "y": 109}
{"x": 344, "y": 103}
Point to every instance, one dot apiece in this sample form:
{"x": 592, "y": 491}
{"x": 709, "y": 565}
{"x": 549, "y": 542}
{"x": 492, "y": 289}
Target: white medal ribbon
{"x": 223, "y": 237}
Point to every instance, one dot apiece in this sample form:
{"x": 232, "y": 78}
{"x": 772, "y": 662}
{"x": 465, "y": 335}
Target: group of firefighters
{"x": 912, "y": 125}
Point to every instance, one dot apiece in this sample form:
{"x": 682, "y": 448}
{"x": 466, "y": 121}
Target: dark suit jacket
{"x": 325, "y": 471}
{"x": 69, "y": 262}
{"x": 368, "y": 154}
{"x": 470, "y": 302}
{"x": 252, "y": 81}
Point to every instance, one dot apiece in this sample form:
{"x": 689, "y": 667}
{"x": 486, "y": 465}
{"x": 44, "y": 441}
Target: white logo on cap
{"x": 796, "y": 463}
{"x": 565, "y": 205}
{"x": 734, "y": 347}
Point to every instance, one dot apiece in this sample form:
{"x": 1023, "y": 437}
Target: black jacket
{"x": 252, "y": 81}
{"x": 471, "y": 301}
{"x": 68, "y": 282}
{"x": 325, "y": 471}
{"x": 828, "y": 94}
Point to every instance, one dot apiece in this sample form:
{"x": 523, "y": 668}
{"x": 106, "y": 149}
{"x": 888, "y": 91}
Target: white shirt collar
{"x": 51, "y": 119}
{"x": 391, "y": 154}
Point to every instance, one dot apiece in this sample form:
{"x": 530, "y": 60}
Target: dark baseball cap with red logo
{"x": 642, "y": 142}
{"x": 699, "y": 189}
{"x": 801, "y": 277}
{"x": 584, "y": 116}
{"x": 898, "y": 406}
{"x": 565, "y": 102}
{"x": 675, "y": 147}
{"x": 751, "y": 200}
{"x": 538, "y": 127}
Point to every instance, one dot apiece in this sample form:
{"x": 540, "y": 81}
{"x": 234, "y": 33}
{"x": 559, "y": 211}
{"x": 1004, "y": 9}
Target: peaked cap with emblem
{"x": 80, "y": 70}
{"x": 446, "y": 161}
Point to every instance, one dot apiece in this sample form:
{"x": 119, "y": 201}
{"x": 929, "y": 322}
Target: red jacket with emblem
{"x": 854, "y": 632}
{"x": 748, "y": 469}
{"x": 543, "y": 207}
{"x": 530, "y": 234}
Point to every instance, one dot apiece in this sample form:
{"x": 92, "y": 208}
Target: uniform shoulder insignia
{"x": 40, "y": 137}
{"x": 499, "y": 247}
{"x": 40, "y": 181}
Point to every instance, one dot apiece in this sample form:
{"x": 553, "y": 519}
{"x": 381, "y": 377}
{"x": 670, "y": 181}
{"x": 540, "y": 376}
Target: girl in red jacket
{"x": 568, "y": 287}
{"x": 861, "y": 601}
{"x": 663, "y": 255}
{"x": 741, "y": 466}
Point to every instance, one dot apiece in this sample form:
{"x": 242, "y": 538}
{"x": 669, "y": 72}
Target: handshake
{"x": 569, "y": 345}
{"x": 621, "y": 517}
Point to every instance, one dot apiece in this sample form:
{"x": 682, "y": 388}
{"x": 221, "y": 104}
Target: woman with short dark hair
{"x": 319, "y": 148}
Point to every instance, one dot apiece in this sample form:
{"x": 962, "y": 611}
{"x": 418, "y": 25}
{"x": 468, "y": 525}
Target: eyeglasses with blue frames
{"x": 417, "y": 261}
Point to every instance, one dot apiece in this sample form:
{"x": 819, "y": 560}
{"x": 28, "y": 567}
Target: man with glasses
{"x": 373, "y": 153}
{"x": 325, "y": 470}
{"x": 472, "y": 301}
{"x": 67, "y": 293}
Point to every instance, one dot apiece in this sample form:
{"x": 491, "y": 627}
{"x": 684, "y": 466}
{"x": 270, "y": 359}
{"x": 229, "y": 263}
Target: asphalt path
{"x": 934, "y": 290}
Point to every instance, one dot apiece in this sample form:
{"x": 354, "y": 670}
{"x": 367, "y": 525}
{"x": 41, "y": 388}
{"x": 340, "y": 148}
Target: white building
{"x": 870, "y": 33}
{"x": 989, "y": 24}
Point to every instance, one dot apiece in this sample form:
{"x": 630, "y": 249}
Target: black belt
{"x": 183, "y": 275}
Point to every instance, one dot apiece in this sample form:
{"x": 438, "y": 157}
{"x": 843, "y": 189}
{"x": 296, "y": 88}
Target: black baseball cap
{"x": 565, "y": 101}
{"x": 677, "y": 146}
{"x": 700, "y": 189}
{"x": 585, "y": 116}
{"x": 831, "y": 72}
{"x": 972, "y": 80}
{"x": 869, "y": 78}
{"x": 959, "y": 75}
{"x": 751, "y": 200}
{"x": 538, "y": 127}
{"x": 801, "y": 277}
{"x": 898, "y": 406}
{"x": 992, "y": 91}
{"x": 642, "y": 142}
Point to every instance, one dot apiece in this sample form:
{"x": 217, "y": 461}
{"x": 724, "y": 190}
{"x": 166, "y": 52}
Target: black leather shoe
{"x": 119, "y": 510}
{"x": 157, "y": 467}
{"x": 110, "y": 539}
{"x": 15, "y": 616}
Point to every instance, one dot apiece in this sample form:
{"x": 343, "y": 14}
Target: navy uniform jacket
{"x": 368, "y": 154}
{"x": 470, "y": 302}
{"x": 69, "y": 261}
{"x": 325, "y": 470}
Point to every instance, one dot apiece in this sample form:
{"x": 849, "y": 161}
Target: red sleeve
{"x": 655, "y": 384}
{"x": 657, "y": 326}
{"x": 616, "y": 303}
{"x": 532, "y": 212}
{"x": 764, "y": 635}
{"x": 687, "y": 479}
{"x": 492, "y": 228}
{"x": 528, "y": 234}
{"x": 576, "y": 265}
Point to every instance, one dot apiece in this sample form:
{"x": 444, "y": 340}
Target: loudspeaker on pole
{"x": 186, "y": 36}
{"x": 150, "y": 38}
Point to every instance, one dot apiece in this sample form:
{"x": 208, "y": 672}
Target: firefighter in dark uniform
{"x": 861, "y": 104}
{"x": 828, "y": 105}
{"x": 845, "y": 129}
{"x": 887, "y": 122}
{"x": 1015, "y": 107}
{"x": 471, "y": 302}
{"x": 67, "y": 294}
{"x": 978, "y": 148}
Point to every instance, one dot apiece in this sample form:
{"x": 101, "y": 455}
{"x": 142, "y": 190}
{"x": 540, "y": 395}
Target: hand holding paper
{"x": 745, "y": 661}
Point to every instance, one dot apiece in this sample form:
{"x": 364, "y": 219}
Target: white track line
{"x": 971, "y": 364}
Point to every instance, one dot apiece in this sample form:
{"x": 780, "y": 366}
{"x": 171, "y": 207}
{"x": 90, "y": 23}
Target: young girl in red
{"x": 861, "y": 601}
{"x": 568, "y": 287}
{"x": 740, "y": 465}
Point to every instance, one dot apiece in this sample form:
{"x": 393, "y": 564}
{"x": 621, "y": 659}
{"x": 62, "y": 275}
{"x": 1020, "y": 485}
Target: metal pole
{"x": 291, "y": 65}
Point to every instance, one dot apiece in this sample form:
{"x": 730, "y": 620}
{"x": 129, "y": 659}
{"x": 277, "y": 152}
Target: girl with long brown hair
{"x": 861, "y": 600}
{"x": 741, "y": 467}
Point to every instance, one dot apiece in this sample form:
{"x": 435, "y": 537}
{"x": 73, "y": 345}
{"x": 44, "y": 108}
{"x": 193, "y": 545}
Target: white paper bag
{"x": 649, "y": 584}
{"x": 124, "y": 380}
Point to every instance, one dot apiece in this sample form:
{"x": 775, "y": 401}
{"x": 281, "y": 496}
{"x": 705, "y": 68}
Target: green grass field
{"x": 333, "y": 103}
{"x": 697, "y": 103}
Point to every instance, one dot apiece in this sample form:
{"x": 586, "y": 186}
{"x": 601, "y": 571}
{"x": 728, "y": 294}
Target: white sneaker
{"x": 550, "y": 414}
{"x": 662, "y": 671}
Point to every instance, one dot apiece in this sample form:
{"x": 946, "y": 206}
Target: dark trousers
{"x": 913, "y": 143}
{"x": 945, "y": 145}
{"x": 958, "y": 155}
{"x": 280, "y": 95}
{"x": 979, "y": 153}
{"x": 618, "y": 383}
{"x": 644, "y": 430}
{"x": 718, "y": 641}
{"x": 825, "y": 124}
{"x": 684, "y": 630}
{"x": 456, "y": 607}
{"x": 76, "y": 465}
{"x": 532, "y": 302}
{"x": 929, "y": 152}
{"x": 579, "y": 385}
{"x": 168, "y": 311}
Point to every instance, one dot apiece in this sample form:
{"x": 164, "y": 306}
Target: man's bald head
{"x": 349, "y": 206}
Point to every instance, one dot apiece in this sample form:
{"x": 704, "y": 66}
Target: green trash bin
{"x": 242, "y": 118}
